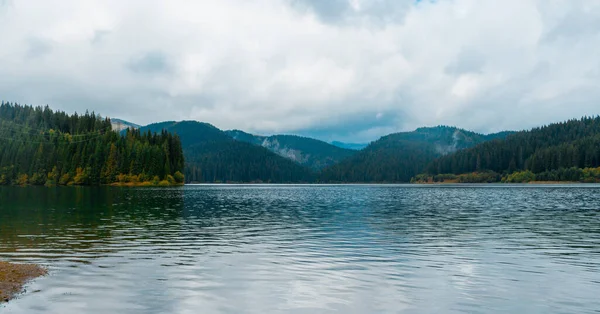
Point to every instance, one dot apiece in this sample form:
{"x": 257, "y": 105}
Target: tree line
{"x": 566, "y": 151}
{"x": 39, "y": 146}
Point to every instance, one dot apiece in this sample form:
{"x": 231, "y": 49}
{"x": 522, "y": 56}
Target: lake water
{"x": 306, "y": 249}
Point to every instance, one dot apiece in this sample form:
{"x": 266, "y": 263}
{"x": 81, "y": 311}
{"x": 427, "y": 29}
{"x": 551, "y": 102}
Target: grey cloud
{"x": 38, "y": 47}
{"x": 153, "y": 62}
{"x": 330, "y": 11}
{"x": 318, "y": 68}
{"x": 361, "y": 127}
{"x": 379, "y": 12}
{"x": 99, "y": 36}
{"x": 468, "y": 61}
{"x": 577, "y": 21}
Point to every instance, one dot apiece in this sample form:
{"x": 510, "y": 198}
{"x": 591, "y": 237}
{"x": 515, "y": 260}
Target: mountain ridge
{"x": 398, "y": 157}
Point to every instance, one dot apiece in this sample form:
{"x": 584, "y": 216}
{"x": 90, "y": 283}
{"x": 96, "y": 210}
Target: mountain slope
{"x": 574, "y": 143}
{"x": 400, "y": 156}
{"x": 120, "y": 125}
{"x": 213, "y": 156}
{"x": 306, "y": 151}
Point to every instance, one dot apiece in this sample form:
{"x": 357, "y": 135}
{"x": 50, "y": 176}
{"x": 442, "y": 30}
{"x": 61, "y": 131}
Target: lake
{"x": 306, "y": 249}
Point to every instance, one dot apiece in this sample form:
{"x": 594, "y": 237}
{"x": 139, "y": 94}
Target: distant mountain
{"x": 353, "y": 146}
{"x": 211, "y": 155}
{"x": 400, "y": 156}
{"x": 306, "y": 151}
{"x": 120, "y": 125}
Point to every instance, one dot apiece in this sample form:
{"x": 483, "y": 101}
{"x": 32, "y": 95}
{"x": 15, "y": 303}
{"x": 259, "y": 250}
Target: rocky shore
{"x": 14, "y": 276}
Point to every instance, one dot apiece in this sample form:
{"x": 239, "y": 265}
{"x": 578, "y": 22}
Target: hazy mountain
{"x": 400, "y": 156}
{"x": 353, "y": 146}
{"x": 120, "y": 125}
{"x": 303, "y": 150}
{"x": 213, "y": 156}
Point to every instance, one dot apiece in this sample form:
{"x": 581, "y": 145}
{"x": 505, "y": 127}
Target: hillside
{"x": 120, "y": 125}
{"x": 570, "y": 144}
{"x": 400, "y": 156}
{"x": 306, "y": 151}
{"x": 213, "y": 156}
{"x": 39, "y": 146}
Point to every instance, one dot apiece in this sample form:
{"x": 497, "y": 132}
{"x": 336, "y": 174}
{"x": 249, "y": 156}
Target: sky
{"x": 349, "y": 70}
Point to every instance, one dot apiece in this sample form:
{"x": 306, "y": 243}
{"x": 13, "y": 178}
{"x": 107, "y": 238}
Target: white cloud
{"x": 346, "y": 69}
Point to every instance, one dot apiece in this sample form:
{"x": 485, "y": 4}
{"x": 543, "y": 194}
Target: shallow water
{"x": 306, "y": 249}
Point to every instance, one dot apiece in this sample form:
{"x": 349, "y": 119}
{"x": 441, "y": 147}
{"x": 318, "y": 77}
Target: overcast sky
{"x": 351, "y": 70}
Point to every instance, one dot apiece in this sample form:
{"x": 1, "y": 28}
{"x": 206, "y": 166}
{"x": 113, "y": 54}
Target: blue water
{"x": 306, "y": 249}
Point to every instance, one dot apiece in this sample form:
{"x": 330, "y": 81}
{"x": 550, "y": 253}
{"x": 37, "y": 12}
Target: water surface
{"x": 306, "y": 249}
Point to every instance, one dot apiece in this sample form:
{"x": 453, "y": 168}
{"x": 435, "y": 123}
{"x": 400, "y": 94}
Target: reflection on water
{"x": 352, "y": 249}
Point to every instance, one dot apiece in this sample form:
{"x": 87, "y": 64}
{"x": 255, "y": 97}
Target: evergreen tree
{"x": 40, "y": 146}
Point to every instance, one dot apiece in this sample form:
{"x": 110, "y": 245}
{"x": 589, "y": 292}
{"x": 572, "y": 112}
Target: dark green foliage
{"x": 213, "y": 156}
{"x": 574, "y": 143}
{"x": 40, "y": 146}
{"x": 399, "y": 157}
{"x": 306, "y": 151}
{"x": 587, "y": 175}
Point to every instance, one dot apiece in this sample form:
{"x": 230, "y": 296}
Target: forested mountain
{"x": 40, "y": 146}
{"x": 306, "y": 151}
{"x": 213, "y": 156}
{"x": 574, "y": 143}
{"x": 399, "y": 157}
{"x": 353, "y": 146}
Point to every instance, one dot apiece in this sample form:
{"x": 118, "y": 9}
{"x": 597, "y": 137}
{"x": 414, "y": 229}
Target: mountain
{"x": 40, "y": 146}
{"x": 353, "y": 146}
{"x": 212, "y": 155}
{"x": 544, "y": 150}
{"x": 306, "y": 151}
{"x": 120, "y": 125}
{"x": 400, "y": 156}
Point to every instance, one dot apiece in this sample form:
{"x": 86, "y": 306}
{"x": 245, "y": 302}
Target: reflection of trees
{"x": 398, "y": 220}
{"x": 77, "y": 218}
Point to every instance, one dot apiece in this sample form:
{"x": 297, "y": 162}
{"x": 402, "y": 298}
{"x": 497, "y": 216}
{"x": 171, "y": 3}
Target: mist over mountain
{"x": 400, "y": 156}
{"x": 213, "y": 156}
{"x": 120, "y": 125}
{"x": 556, "y": 152}
{"x": 309, "y": 152}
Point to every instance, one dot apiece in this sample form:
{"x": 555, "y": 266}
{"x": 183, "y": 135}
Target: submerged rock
{"x": 14, "y": 276}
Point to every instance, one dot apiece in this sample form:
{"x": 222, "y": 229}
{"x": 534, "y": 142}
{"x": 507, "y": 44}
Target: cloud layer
{"x": 340, "y": 69}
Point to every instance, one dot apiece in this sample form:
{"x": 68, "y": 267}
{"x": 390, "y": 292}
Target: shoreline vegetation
{"x": 558, "y": 176}
{"x": 13, "y": 277}
{"x": 176, "y": 180}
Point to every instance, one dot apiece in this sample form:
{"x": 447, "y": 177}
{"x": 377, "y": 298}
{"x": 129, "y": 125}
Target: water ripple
{"x": 351, "y": 249}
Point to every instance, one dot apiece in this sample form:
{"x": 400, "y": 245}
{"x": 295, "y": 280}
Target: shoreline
{"x": 523, "y": 183}
{"x": 13, "y": 278}
{"x": 145, "y": 184}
